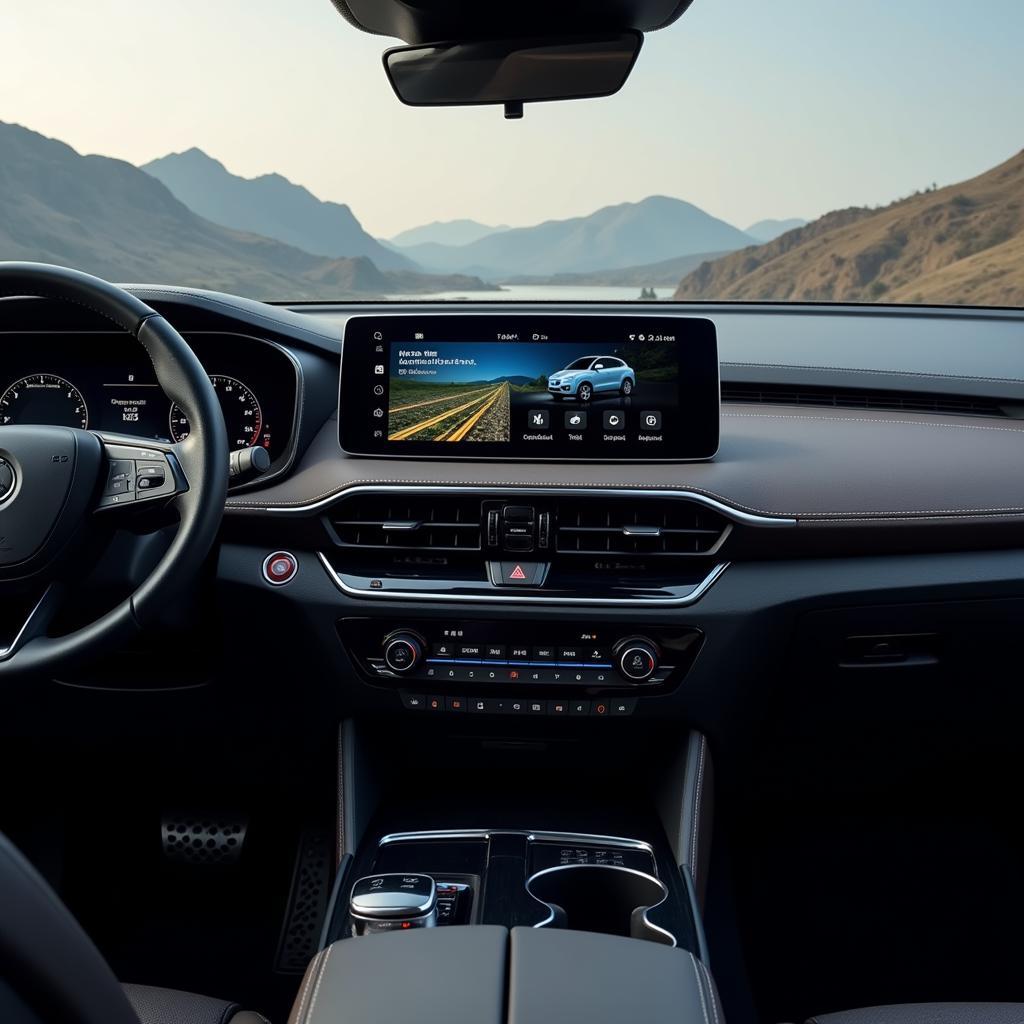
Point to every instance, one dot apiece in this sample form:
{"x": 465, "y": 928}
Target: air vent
{"x": 649, "y": 527}
{"x": 416, "y": 522}
{"x": 858, "y": 398}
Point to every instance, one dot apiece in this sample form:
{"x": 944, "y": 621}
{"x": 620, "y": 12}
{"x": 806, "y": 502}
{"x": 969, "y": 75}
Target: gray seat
{"x": 169, "y": 1006}
{"x": 929, "y": 1013}
{"x": 50, "y": 971}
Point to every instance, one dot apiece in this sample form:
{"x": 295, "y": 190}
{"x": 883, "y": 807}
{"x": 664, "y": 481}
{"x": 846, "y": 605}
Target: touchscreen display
{"x": 532, "y": 387}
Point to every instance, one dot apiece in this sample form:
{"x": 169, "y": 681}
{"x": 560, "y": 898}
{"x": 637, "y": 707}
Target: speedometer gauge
{"x": 44, "y": 398}
{"x": 242, "y": 413}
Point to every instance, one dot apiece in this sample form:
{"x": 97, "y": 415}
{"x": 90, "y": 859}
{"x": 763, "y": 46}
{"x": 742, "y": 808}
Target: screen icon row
{"x": 613, "y": 419}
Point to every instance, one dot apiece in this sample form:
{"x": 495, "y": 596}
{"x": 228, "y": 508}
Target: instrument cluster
{"x": 97, "y": 381}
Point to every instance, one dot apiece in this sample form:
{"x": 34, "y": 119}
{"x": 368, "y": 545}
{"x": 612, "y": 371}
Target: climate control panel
{"x": 501, "y": 664}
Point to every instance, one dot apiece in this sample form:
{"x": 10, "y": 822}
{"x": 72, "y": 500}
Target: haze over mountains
{"x": 959, "y": 244}
{"x": 269, "y": 205}
{"x": 654, "y": 229}
{"x": 767, "y": 230}
{"x": 109, "y": 218}
{"x": 446, "y": 232}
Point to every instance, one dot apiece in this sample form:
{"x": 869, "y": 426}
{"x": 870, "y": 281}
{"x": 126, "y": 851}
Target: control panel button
{"x": 280, "y": 568}
{"x": 444, "y": 649}
{"x": 546, "y": 653}
{"x": 402, "y": 651}
{"x": 455, "y": 703}
{"x": 621, "y": 706}
{"x": 474, "y": 651}
{"x": 518, "y": 574}
{"x": 636, "y": 658}
{"x": 414, "y": 701}
{"x": 494, "y": 652}
{"x": 579, "y": 707}
{"x": 519, "y": 654}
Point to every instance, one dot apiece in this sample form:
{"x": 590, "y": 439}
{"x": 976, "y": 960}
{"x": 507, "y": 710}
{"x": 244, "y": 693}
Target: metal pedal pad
{"x": 307, "y": 904}
{"x": 205, "y": 839}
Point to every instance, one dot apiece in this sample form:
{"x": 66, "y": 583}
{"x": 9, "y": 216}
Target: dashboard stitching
{"x": 876, "y": 373}
{"x": 700, "y": 988}
{"x": 710, "y": 986}
{"x": 695, "y": 828}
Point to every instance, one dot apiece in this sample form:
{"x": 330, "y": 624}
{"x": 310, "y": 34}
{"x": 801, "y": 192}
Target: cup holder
{"x": 600, "y": 898}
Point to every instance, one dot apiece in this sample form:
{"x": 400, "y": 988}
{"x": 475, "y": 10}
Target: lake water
{"x": 542, "y": 293}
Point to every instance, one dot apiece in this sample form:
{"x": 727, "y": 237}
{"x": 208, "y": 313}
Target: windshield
{"x": 801, "y": 151}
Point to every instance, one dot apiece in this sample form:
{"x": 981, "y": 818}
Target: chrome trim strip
{"x": 736, "y": 515}
{"x": 606, "y": 867}
{"x": 513, "y": 597}
{"x": 530, "y": 836}
{"x": 12, "y": 647}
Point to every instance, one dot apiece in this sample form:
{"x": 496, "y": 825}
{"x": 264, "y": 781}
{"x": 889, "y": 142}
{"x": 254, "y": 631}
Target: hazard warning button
{"x": 518, "y": 574}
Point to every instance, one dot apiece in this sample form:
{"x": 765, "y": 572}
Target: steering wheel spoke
{"x": 41, "y": 612}
{"x": 140, "y": 476}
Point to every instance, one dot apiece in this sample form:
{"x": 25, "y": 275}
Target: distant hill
{"x": 446, "y": 232}
{"x": 657, "y": 228}
{"x": 270, "y": 205}
{"x": 963, "y": 244}
{"x": 767, "y": 230}
{"x": 664, "y": 274}
{"x": 109, "y": 218}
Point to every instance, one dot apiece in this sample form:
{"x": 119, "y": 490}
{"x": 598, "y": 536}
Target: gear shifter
{"x": 385, "y": 903}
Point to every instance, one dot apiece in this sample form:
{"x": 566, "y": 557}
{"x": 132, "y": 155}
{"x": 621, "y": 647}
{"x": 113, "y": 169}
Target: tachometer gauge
{"x": 242, "y": 413}
{"x": 44, "y": 398}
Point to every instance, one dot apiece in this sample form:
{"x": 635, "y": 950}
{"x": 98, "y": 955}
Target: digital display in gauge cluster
{"x": 106, "y": 382}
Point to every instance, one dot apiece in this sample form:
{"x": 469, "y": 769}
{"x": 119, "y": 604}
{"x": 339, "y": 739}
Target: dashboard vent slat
{"x": 419, "y": 522}
{"x": 660, "y": 528}
{"x": 860, "y": 398}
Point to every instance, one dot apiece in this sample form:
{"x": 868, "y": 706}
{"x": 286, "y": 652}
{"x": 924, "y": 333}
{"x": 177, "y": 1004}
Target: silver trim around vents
{"x": 735, "y": 514}
{"x": 690, "y": 597}
{"x": 513, "y": 597}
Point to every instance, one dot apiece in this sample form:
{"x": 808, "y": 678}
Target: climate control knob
{"x": 636, "y": 658}
{"x": 402, "y": 651}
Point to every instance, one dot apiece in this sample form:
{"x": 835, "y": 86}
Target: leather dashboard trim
{"x": 801, "y": 464}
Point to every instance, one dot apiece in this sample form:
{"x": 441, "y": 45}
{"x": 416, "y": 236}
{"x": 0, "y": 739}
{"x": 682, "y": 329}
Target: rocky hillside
{"x": 963, "y": 244}
{"x": 109, "y": 218}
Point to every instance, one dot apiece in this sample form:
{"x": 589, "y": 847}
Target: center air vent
{"x": 412, "y": 522}
{"x": 651, "y": 527}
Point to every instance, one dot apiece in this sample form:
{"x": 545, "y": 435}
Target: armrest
{"x": 604, "y": 979}
{"x": 450, "y": 975}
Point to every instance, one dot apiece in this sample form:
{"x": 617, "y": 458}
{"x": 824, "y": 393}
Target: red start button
{"x": 280, "y": 568}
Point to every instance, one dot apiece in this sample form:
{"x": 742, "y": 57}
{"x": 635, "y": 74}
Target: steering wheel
{"x": 56, "y": 482}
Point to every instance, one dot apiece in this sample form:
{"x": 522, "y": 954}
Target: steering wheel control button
{"x": 280, "y": 568}
{"x": 150, "y": 475}
{"x": 120, "y": 477}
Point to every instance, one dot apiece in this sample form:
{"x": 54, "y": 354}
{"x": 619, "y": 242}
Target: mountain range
{"x": 446, "y": 232}
{"x": 959, "y": 244}
{"x": 656, "y": 228}
{"x": 767, "y": 230}
{"x": 109, "y": 218}
{"x": 272, "y": 206}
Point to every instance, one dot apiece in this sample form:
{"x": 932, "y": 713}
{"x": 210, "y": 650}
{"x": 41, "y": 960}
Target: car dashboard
{"x": 884, "y": 473}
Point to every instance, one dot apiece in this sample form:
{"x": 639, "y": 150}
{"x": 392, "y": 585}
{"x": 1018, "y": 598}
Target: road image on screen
{"x": 480, "y": 391}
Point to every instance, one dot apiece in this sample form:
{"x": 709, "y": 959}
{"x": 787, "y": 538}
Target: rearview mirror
{"x": 511, "y": 72}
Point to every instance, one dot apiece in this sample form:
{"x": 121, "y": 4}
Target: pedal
{"x": 204, "y": 840}
{"x": 307, "y": 903}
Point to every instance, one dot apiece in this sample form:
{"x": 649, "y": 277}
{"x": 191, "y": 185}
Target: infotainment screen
{"x": 519, "y": 386}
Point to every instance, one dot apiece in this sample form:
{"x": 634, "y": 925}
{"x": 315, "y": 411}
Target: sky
{"x": 748, "y": 108}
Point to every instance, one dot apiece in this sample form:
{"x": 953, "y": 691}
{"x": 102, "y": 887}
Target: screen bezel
{"x": 354, "y": 407}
